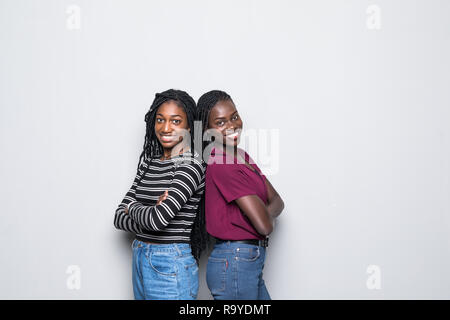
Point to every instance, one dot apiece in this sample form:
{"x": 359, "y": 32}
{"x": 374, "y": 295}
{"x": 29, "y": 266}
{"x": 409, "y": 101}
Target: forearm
{"x": 123, "y": 221}
{"x": 187, "y": 179}
{"x": 263, "y": 221}
{"x": 256, "y": 211}
{"x": 154, "y": 218}
{"x": 275, "y": 206}
{"x": 274, "y": 202}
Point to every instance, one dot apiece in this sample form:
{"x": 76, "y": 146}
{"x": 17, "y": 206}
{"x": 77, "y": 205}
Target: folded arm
{"x": 275, "y": 204}
{"x": 122, "y": 220}
{"x": 262, "y": 215}
{"x": 187, "y": 179}
{"x": 254, "y": 208}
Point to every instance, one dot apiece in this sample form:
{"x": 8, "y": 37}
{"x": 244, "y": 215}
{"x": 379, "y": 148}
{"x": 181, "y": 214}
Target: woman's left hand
{"x": 162, "y": 197}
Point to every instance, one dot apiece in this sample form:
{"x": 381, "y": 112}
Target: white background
{"x": 363, "y": 118}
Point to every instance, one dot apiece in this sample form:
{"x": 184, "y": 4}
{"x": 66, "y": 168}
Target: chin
{"x": 167, "y": 145}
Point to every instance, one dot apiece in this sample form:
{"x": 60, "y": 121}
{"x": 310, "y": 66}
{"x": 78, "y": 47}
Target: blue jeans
{"x": 164, "y": 271}
{"x": 234, "y": 272}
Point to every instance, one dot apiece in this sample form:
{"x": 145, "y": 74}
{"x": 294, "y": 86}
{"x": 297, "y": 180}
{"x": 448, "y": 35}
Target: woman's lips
{"x": 166, "y": 138}
{"x": 233, "y": 135}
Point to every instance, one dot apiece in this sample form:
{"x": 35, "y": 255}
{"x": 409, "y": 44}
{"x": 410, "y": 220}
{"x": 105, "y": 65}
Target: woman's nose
{"x": 167, "y": 127}
{"x": 230, "y": 127}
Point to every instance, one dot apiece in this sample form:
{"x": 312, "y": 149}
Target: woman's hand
{"x": 162, "y": 197}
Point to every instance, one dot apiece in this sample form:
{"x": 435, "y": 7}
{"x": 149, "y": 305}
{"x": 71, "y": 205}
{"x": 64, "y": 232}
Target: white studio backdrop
{"x": 357, "y": 91}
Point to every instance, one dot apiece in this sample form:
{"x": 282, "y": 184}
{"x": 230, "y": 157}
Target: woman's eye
{"x": 176, "y": 121}
{"x": 220, "y": 123}
{"x": 236, "y": 117}
{"x": 159, "y": 120}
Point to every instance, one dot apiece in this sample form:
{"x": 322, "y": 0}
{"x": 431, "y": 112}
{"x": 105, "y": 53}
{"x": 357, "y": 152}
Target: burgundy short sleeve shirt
{"x": 227, "y": 179}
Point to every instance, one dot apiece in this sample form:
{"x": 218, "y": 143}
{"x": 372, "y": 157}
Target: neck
{"x": 175, "y": 151}
{"x": 227, "y": 149}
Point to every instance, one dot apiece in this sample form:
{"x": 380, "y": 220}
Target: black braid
{"x": 153, "y": 149}
{"x": 204, "y": 105}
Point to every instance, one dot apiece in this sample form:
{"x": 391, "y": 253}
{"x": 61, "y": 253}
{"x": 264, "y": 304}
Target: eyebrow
{"x": 172, "y": 115}
{"x": 224, "y": 117}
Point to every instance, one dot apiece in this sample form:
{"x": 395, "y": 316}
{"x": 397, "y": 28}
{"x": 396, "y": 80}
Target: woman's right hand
{"x": 162, "y": 197}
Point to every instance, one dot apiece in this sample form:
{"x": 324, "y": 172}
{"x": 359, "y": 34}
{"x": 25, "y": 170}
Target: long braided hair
{"x": 152, "y": 149}
{"x": 204, "y": 105}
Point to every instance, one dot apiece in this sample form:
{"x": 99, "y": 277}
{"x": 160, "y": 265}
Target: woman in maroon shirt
{"x": 240, "y": 205}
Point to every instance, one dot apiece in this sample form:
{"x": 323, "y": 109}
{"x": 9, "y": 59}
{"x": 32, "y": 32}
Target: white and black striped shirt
{"x": 171, "y": 221}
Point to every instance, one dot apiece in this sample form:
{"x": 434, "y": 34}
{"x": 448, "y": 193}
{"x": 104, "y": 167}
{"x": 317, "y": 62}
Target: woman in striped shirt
{"x": 161, "y": 205}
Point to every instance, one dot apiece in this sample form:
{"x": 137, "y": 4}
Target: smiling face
{"x": 170, "y": 124}
{"x": 224, "y": 118}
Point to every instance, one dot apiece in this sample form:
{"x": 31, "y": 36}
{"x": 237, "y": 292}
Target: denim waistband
{"x": 175, "y": 248}
{"x": 232, "y": 245}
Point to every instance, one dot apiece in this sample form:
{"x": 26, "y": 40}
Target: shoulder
{"x": 143, "y": 164}
{"x": 225, "y": 171}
